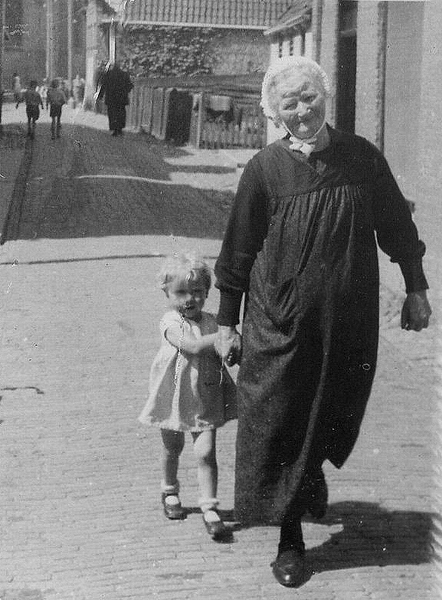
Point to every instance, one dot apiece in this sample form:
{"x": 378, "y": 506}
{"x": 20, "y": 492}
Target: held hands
{"x": 416, "y": 311}
{"x": 228, "y": 345}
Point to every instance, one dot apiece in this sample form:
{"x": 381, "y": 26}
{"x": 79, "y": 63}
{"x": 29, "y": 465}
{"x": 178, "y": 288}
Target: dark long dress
{"x": 301, "y": 242}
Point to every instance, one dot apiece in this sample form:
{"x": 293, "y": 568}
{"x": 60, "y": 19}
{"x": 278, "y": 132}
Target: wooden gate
{"x": 206, "y": 112}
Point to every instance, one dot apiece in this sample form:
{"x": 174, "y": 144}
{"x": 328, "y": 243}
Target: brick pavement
{"x": 79, "y": 478}
{"x": 12, "y": 159}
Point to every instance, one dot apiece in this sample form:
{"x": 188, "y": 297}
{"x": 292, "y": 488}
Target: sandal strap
{"x": 208, "y": 504}
{"x": 170, "y": 489}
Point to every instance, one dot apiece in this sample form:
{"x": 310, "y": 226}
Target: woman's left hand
{"x": 416, "y": 311}
{"x": 228, "y": 345}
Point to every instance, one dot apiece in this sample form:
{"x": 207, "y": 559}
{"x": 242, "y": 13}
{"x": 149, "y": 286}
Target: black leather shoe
{"x": 315, "y": 492}
{"x": 289, "y": 568}
{"x": 216, "y": 529}
{"x": 174, "y": 512}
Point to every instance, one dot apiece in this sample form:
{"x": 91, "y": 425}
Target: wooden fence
{"x": 208, "y": 112}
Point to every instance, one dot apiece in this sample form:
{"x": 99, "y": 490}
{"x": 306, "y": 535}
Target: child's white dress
{"x": 188, "y": 392}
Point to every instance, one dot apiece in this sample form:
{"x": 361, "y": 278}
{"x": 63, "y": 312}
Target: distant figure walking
{"x": 43, "y": 91}
{"x": 114, "y": 85}
{"x": 56, "y": 99}
{"x": 33, "y": 102}
{"x": 77, "y": 90}
{"x": 16, "y": 88}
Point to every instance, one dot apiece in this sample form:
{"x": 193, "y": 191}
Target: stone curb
{"x": 11, "y": 223}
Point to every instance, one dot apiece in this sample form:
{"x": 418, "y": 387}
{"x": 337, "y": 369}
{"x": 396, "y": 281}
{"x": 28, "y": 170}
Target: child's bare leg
{"x": 53, "y": 128}
{"x": 58, "y": 126}
{"x": 204, "y": 445}
{"x": 173, "y": 444}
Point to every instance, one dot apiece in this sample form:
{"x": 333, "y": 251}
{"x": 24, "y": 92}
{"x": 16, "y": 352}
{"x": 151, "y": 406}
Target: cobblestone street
{"x": 79, "y": 477}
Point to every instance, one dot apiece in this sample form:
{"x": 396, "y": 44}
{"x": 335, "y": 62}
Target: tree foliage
{"x": 167, "y": 51}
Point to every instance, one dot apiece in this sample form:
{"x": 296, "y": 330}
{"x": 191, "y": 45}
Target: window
{"x": 14, "y": 23}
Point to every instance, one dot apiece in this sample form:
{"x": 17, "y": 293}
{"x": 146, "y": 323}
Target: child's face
{"x": 187, "y": 297}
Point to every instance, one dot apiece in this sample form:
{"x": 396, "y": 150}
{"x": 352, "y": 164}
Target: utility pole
{"x": 70, "y": 45}
{"x": 50, "y": 39}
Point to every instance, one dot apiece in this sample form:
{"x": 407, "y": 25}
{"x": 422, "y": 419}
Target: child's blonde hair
{"x": 187, "y": 267}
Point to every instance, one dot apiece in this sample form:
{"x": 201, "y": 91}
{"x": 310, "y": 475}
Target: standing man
{"x": 115, "y": 85}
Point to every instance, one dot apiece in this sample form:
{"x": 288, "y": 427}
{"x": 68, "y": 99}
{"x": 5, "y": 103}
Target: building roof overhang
{"x": 114, "y": 5}
{"x": 140, "y": 23}
{"x": 297, "y": 16}
{"x": 255, "y": 15}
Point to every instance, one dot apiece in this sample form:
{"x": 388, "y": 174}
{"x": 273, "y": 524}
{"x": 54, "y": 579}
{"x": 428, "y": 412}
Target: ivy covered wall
{"x": 164, "y": 51}
{"x": 178, "y": 51}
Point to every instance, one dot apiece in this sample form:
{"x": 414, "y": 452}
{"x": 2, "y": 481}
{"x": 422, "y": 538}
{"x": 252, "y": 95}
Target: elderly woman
{"x": 301, "y": 245}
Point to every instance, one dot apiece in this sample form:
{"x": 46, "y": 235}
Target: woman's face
{"x": 300, "y": 103}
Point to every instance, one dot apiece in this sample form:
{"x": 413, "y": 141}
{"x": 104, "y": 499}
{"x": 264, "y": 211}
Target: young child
{"x": 190, "y": 390}
{"x": 56, "y": 99}
{"x": 43, "y": 91}
{"x": 33, "y": 102}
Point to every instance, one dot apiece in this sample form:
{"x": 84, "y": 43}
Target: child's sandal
{"x": 214, "y": 525}
{"x": 172, "y": 507}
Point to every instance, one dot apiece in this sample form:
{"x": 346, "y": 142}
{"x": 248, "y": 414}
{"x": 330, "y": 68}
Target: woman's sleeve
{"x": 396, "y": 232}
{"x": 246, "y": 229}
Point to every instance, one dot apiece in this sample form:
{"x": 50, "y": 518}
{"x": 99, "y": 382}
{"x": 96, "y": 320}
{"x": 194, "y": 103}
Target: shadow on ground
{"x": 88, "y": 184}
{"x": 372, "y": 536}
{"x": 12, "y": 136}
{"x": 368, "y": 536}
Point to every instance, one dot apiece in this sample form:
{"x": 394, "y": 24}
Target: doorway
{"x": 346, "y": 72}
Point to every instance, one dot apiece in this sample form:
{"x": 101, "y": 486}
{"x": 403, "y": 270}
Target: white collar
{"x": 304, "y": 145}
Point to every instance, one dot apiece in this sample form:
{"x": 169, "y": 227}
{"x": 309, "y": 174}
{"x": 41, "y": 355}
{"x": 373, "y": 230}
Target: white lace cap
{"x": 293, "y": 63}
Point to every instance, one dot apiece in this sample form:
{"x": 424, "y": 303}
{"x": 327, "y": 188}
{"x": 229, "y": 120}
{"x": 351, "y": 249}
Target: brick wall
{"x": 371, "y": 25}
{"x": 329, "y": 50}
{"x": 241, "y": 51}
{"x": 29, "y": 61}
{"x": 430, "y": 107}
{"x": 405, "y": 26}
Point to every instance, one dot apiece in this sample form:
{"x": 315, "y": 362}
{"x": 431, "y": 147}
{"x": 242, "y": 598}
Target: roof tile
{"x": 236, "y": 13}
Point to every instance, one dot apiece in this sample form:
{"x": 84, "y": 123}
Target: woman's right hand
{"x": 228, "y": 345}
